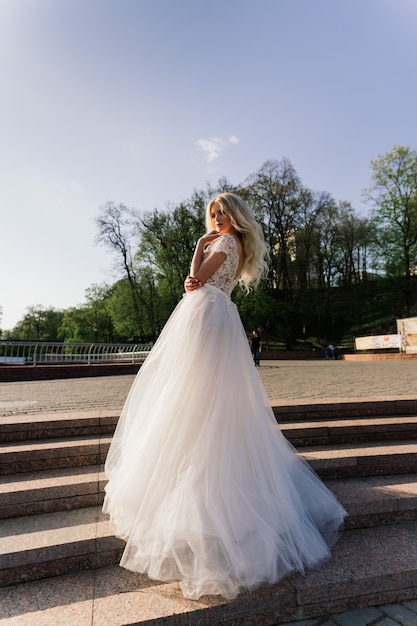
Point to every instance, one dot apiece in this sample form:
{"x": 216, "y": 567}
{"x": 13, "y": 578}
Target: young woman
{"x": 202, "y": 485}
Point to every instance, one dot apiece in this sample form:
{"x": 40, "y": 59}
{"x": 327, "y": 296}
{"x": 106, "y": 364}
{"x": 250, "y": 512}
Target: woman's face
{"x": 221, "y": 222}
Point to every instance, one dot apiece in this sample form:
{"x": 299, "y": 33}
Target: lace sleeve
{"x": 224, "y": 276}
{"x": 224, "y": 244}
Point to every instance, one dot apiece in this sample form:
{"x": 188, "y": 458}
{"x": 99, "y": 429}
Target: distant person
{"x": 331, "y": 352}
{"x": 256, "y": 347}
{"x": 203, "y": 486}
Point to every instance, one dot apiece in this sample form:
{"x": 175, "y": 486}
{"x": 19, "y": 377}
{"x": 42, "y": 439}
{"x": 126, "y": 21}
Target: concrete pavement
{"x": 286, "y": 383}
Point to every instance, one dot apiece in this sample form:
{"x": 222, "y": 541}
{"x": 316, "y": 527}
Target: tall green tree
{"x": 118, "y": 228}
{"x": 278, "y": 198}
{"x": 168, "y": 240}
{"x": 97, "y": 315}
{"x": 120, "y": 308}
{"x": 38, "y": 324}
{"x": 75, "y": 326}
{"x": 355, "y": 239}
{"x": 153, "y": 312}
{"x": 313, "y": 206}
{"x": 393, "y": 194}
{"x": 274, "y": 192}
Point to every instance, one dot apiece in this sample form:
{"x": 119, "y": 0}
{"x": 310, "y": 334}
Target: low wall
{"x": 49, "y": 372}
{"x": 289, "y": 355}
{"x": 10, "y": 373}
{"x": 379, "y": 357}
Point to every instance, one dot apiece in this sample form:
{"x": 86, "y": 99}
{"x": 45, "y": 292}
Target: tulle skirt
{"x": 203, "y": 486}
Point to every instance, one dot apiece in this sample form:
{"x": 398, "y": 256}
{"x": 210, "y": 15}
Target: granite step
{"x": 363, "y": 459}
{"x": 49, "y": 544}
{"x": 300, "y": 433}
{"x": 359, "y": 574}
{"x": 55, "y": 425}
{"x": 39, "y": 544}
{"x": 46, "y": 491}
{"x": 333, "y": 432}
{"x": 349, "y": 409}
{"x": 52, "y": 484}
{"x": 369, "y": 500}
{"x": 43, "y": 454}
{"x": 376, "y": 500}
{"x": 329, "y": 461}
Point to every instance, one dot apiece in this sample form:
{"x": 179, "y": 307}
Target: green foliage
{"x": 74, "y": 326}
{"x": 153, "y": 311}
{"x": 120, "y": 309}
{"x": 258, "y": 309}
{"x": 38, "y": 324}
{"x": 98, "y": 321}
{"x": 325, "y": 280}
{"x": 168, "y": 239}
{"x": 90, "y": 322}
{"x": 393, "y": 194}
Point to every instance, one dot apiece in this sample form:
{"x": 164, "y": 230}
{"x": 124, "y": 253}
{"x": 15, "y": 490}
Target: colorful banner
{"x": 377, "y": 342}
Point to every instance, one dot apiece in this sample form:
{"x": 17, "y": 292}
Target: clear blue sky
{"x": 142, "y": 101}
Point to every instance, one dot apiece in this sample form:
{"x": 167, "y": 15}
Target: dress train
{"x": 202, "y": 485}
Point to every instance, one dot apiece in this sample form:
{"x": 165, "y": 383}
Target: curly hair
{"x": 255, "y": 250}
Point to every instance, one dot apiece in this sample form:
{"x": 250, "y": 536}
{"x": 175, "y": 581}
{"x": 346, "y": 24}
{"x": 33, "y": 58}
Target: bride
{"x": 203, "y": 486}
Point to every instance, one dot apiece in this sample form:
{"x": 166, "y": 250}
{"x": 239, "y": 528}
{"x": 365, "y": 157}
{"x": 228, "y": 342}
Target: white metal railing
{"x": 59, "y": 353}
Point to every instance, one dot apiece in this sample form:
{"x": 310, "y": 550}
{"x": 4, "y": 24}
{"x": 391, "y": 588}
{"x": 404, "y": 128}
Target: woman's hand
{"x": 209, "y": 237}
{"x": 191, "y": 283}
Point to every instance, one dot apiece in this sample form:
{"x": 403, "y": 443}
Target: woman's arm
{"x": 210, "y": 264}
{"x": 198, "y": 255}
{"x": 203, "y": 265}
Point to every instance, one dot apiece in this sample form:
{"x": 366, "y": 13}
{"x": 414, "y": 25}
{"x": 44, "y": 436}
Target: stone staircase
{"x": 51, "y": 525}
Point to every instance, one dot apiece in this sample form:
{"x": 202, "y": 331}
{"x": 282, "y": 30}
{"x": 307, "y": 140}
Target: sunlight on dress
{"x": 203, "y": 486}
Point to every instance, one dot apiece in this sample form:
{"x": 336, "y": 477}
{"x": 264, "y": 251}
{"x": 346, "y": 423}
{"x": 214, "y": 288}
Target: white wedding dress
{"x": 202, "y": 485}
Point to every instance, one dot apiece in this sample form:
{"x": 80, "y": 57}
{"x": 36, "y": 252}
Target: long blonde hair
{"x": 255, "y": 251}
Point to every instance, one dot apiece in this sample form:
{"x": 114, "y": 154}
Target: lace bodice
{"x": 224, "y": 277}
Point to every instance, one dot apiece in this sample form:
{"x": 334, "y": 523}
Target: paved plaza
{"x": 286, "y": 382}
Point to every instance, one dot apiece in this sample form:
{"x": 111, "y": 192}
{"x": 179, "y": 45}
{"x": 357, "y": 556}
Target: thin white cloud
{"x": 214, "y": 147}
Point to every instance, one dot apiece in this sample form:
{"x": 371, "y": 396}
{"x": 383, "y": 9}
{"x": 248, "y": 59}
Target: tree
{"x": 122, "y": 314}
{"x": 153, "y": 311}
{"x": 274, "y": 192}
{"x": 308, "y": 236}
{"x": 38, "y": 324}
{"x": 354, "y": 234}
{"x": 393, "y": 193}
{"x": 98, "y": 321}
{"x": 74, "y": 327}
{"x": 167, "y": 243}
{"x": 118, "y": 225}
